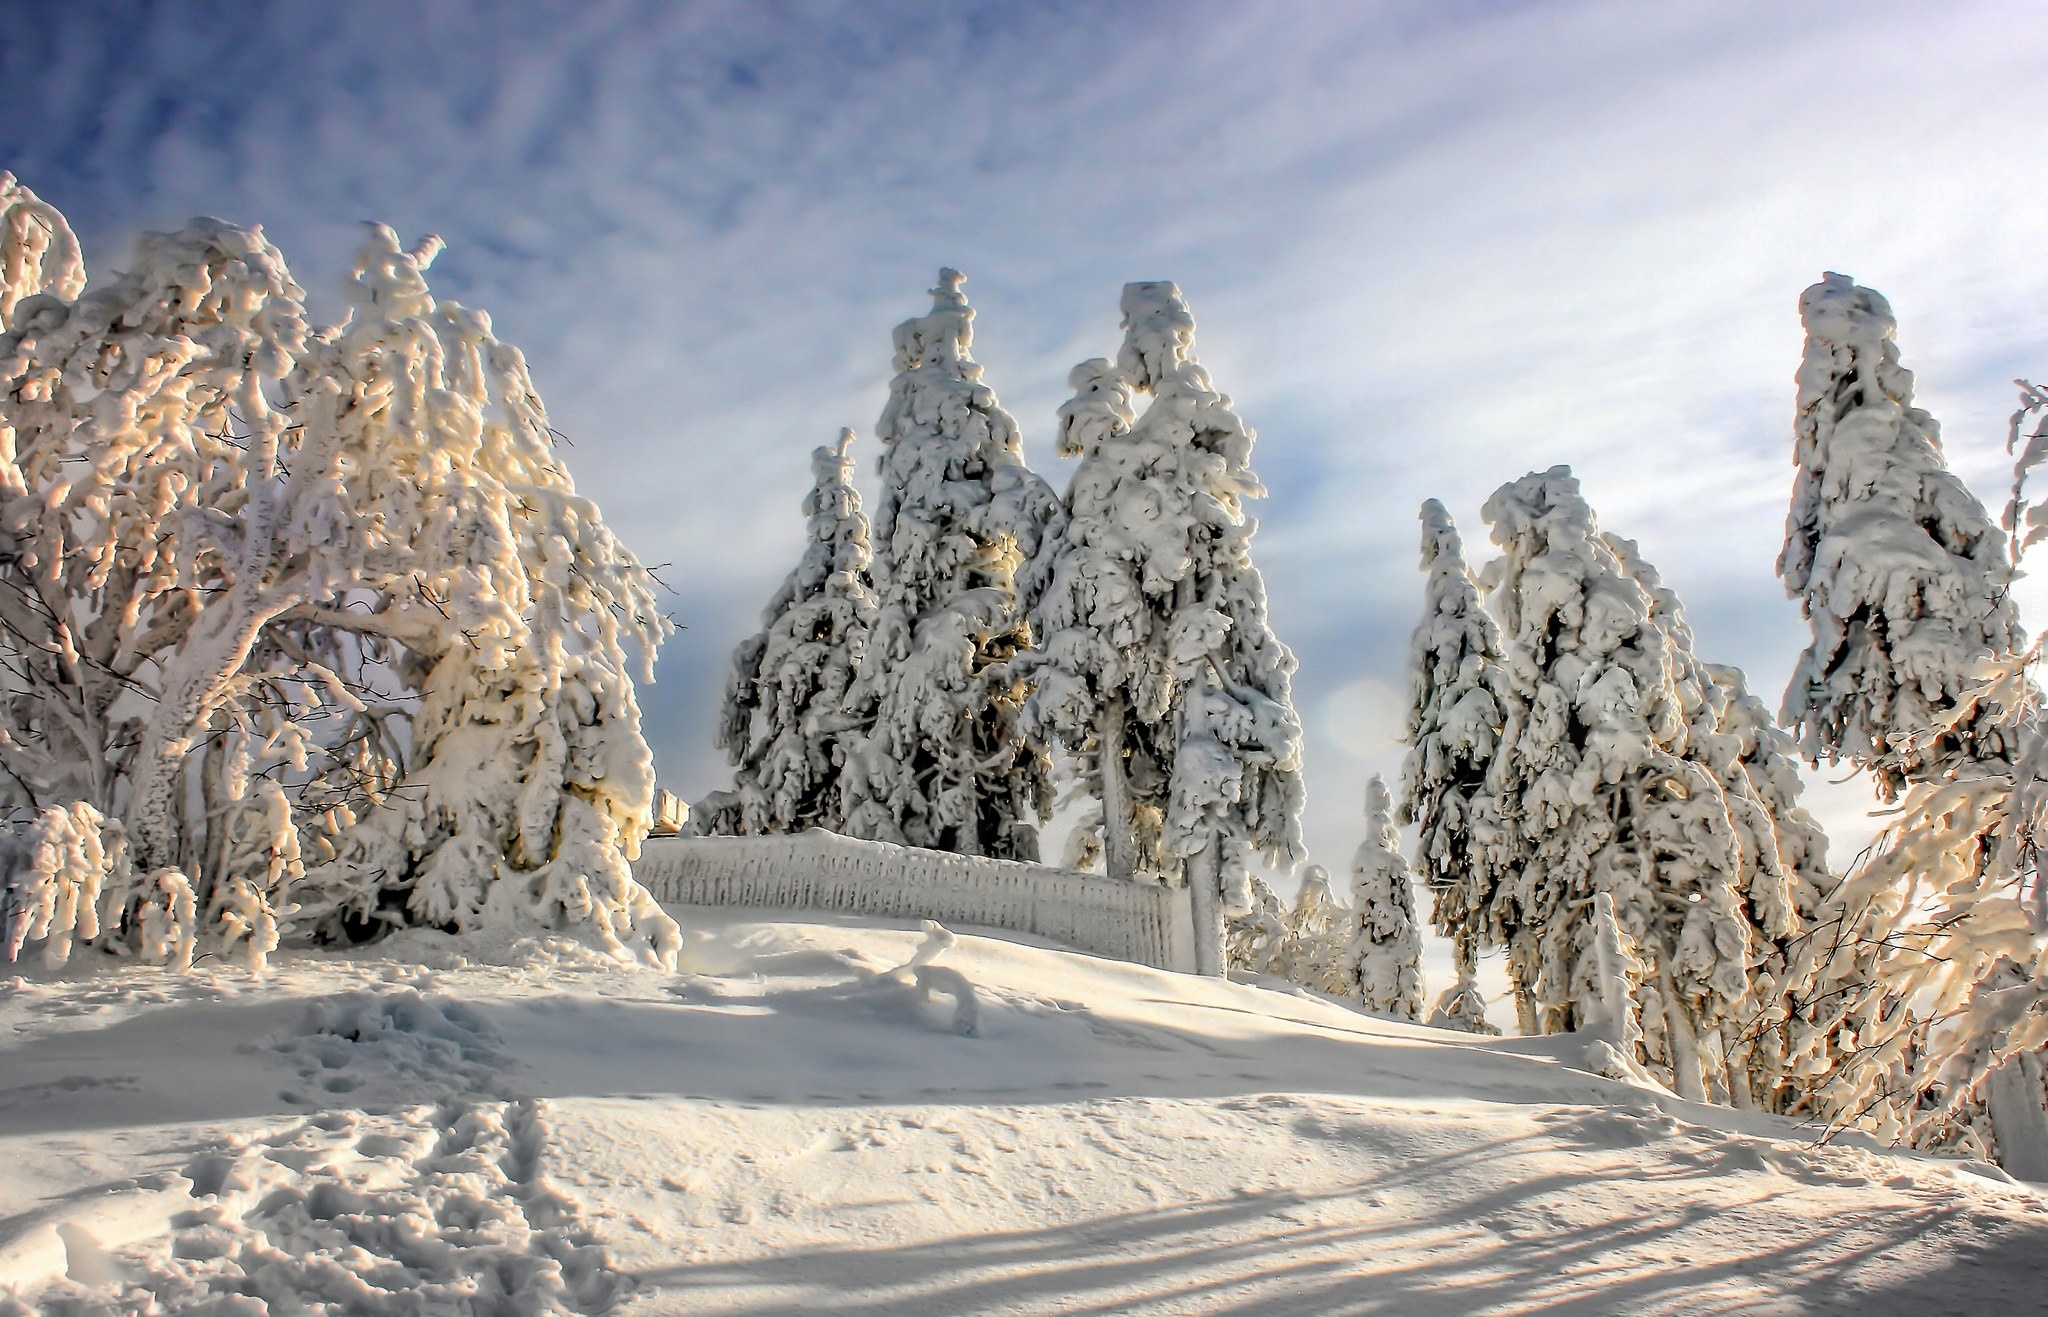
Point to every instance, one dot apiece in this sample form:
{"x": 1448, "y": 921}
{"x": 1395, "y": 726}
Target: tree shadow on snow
{"x": 1283, "y": 1253}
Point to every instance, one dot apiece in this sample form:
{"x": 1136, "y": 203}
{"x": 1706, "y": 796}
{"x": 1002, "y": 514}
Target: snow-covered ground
{"x": 788, "y": 1127}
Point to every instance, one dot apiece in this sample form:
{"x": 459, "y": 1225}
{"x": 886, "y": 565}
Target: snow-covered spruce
{"x": 1318, "y": 933}
{"x": 1461, "y": 705}
{"x": 1952, "y": 1014}
{"x": 785, "y": 723}
{"x": 1385, "y": 951}
{"x": 1918, "y": 672}
{"x": 225, "y": 529}
{"x": 942, "y": 763}
{"x": 1462, "y": 1006}
{"x": 1255, "y": 935}
{"x": 1159, "y": 668}
{"x": 1791, "y": 1032}
{"x": 1896, "y": 565}
{"x": 1599, "y": 785}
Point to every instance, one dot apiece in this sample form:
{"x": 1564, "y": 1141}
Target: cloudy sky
{"x": 1431, "y": 246}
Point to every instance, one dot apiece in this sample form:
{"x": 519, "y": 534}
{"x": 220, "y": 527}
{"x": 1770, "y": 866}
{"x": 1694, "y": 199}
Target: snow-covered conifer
{"x": 1948, "y": 1022}
{"x": 943, "y": 762}
{"x": 1318, "y": 936}
{"x": 1600, "y": 786}
{"x": 1386, "y": 946}
{"x": 1159, "y": 668}
{"x": 1896, "y": 565}
{"x": 1461, "y": 704}
{"x": 1255, "y": 937}
{"x": 785, "y": 723}
{"x": 1462, "y": 1006}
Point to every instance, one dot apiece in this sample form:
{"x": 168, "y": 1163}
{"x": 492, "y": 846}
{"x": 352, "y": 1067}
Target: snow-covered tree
{"x": 1599, "y": 785}
{"x": 1386, "y": 947}
{"x": 1159, "y": 669}
{"x": 464, "y": 559}
{"x": 1255, "y": 936}
{"x": 38, "y": 252}
{"x": 1461, "y": 704}
{"x": 1947, "y": 903}
{"x": 233, "y": 548}
{"x": 1318, "y": 933}
{"x": 1811, "y": 1001}
{"x": 1899, "y": 570}
{"x": 1462, "y": 1006}
{"x": 943, "y": 763}
{"x": 785, "y": 723}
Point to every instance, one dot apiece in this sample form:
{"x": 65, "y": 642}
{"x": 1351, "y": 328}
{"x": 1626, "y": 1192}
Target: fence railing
{"x": 819, "y": 870}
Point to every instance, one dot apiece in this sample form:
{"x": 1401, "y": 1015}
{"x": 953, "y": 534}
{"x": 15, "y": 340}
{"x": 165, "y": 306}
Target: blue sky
{"x": 1430, "y": 247}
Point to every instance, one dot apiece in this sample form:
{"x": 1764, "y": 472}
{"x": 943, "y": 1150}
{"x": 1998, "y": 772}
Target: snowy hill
{"x": 787, "y": 1126}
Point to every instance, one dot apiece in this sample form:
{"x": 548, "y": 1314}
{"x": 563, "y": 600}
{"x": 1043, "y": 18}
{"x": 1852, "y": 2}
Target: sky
{"x": 1430, "y": 247}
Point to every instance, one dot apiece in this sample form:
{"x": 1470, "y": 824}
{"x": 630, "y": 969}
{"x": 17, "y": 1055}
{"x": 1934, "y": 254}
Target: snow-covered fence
{"x": 820, "y": 870}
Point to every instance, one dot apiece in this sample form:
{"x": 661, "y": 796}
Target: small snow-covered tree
{"x": 1461, "y": 704}
{"x": 235, "y": 548}
{"x": 1255, "y": 937}
{"x": 1386, "y": 947}
{"x": 1897, "y": 567}
{"x": 1462, "y": 1006}
{"x": 1318, "y": 935}
{"x": 1599, "y": 785}
{"x": 1159, "y": 668}
{"x": 785, "y": 723}
{"x": 450, "y": 545}
{"x": 943, "y": 763}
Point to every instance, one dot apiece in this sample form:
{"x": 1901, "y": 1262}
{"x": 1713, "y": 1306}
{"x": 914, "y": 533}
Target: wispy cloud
{"x": 1431, "y": 246}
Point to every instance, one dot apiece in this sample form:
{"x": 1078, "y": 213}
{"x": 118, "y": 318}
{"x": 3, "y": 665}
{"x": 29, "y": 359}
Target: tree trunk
{"x": 2013, "y": 1097}
{"x": 1522, "y": 954}
{"x": 1686, "y": 1079}
{"x": 1119, "y": 845}
{"x": 1205, "y": 895}
{"x": 192, "y": 692}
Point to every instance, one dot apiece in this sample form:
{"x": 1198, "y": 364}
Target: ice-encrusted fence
{"x": 819, "y": 870}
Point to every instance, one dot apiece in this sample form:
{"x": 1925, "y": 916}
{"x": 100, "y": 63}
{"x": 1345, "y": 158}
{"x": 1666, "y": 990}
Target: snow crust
{"x": 787, "y": 1125}
{"x": 38, "y": 251}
